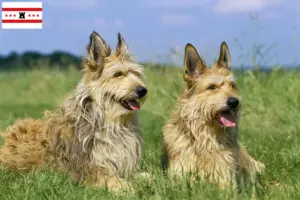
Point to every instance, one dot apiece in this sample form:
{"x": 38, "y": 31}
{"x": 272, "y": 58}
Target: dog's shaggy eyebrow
{"x": 217, "y": 80}
{"x": 231, "y": 78}
{"x": 137, "y": 69}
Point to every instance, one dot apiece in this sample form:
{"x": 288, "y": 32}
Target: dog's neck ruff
{"x": 97, "y": 142}
{"x": 199, "y": 130}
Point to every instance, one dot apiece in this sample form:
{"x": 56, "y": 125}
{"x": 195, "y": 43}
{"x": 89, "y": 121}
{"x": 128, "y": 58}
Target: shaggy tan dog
{"x": 94, "y": 136}
{"x": 201, "y": 135}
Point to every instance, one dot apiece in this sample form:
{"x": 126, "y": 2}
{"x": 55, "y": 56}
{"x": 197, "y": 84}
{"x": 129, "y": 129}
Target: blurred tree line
{"x": 63, "y": 60}
{"x": 31, "y": 60}
{"x": 58, "y": 59}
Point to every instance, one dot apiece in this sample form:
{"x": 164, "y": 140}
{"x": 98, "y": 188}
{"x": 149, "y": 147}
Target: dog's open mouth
{"x": 131, "y": 104}
{"x": 227, "y": 118}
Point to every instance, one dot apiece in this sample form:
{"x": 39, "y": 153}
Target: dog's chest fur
{"x": 85, "y": 141}
{"x": 117, "y": 147}
{"x": 201, "y": 151}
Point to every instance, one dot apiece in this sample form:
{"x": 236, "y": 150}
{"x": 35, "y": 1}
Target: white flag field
{"x": 22, "y": 15}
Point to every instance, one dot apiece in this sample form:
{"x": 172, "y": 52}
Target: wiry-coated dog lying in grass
{"x": 94, "y": 136}
{"x": 201, "y": 136}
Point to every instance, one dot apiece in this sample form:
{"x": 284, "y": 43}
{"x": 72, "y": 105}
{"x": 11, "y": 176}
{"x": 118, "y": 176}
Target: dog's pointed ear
{"x": 97, "y": 51}
{"x": 194, "y": 66}
{"x": 122, "y": 47}
{"x": 224, "y": 58}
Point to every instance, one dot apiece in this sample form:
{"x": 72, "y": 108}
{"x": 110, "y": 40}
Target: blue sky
{"x": 153, "y": 27}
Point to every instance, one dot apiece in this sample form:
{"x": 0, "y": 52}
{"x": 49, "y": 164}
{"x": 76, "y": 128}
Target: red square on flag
{"x": 22, "y": 15}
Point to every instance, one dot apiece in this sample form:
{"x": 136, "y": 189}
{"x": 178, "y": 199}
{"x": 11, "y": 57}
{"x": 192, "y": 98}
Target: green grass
{"x": 270, "y": 127}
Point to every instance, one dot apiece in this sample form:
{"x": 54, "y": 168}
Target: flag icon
{"x": 22, "y": 15}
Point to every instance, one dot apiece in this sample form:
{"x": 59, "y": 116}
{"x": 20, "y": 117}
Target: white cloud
{"x": 230, "y": 6}
{"x": 176, "y": 3}
{"x": 177, "y": 19}
{"x": 74, "y": 4}
{"x": 219, "y": 6}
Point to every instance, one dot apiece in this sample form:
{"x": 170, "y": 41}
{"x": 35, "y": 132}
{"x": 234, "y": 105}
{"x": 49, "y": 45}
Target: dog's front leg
{"x": 247, "y": 161}
{"x": 249, "y": 166}
{"x": 116, "y": 184}
{"x": 102, "y": 179}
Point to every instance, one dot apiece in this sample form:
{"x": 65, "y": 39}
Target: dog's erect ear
{"x": 224, "y": 58}
{"x": 194, "y": 66}
{"x": 97, "y": 50}
{"x": 122, "y": 47}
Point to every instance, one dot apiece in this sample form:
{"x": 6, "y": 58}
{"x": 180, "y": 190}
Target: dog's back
{"x": 25, "y": 145}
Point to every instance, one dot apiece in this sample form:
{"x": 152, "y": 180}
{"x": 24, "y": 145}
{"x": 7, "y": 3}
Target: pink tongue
{"x": 134, "y": 105}
{"x": 228, "y": 119}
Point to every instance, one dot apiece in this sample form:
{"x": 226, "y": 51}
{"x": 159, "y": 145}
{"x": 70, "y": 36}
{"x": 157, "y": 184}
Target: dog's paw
{"x": 259, "y": 166}
{"x": 121, "y": 187}
{"x": 143, "y": 176}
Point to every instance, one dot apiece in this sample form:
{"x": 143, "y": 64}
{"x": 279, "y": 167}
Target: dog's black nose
{"x": 141, "y": 91}
{"x": 232, "y": 102}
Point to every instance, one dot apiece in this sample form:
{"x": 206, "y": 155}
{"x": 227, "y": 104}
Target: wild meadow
{"x": 269, "y": 128}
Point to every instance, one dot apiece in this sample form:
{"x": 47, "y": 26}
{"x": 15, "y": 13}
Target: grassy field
{"x": 269, "y": 128}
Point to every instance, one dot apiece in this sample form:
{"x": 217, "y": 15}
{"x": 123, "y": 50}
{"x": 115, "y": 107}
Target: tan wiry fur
{"x": 92, "y": 136}
{"x": 194, "y": 141}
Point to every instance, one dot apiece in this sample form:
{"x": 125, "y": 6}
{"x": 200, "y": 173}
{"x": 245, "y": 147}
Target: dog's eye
{"x": 212, "y": 87}
{"x": 118, "y": 74}
{"x": 233, "y": 86}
